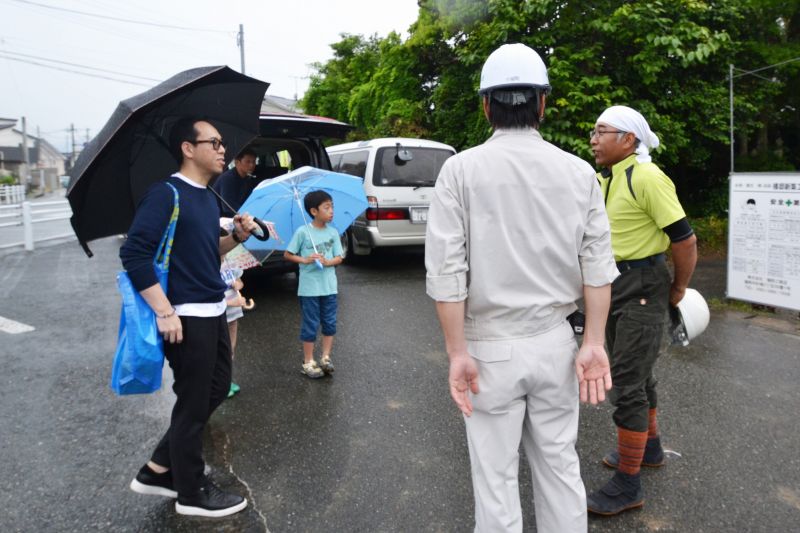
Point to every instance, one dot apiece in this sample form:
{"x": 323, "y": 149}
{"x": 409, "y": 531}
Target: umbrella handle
{"x": 262, "y": 233}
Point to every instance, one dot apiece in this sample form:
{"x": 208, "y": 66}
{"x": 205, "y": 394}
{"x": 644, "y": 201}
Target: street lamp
{"x": 731, "y": 76}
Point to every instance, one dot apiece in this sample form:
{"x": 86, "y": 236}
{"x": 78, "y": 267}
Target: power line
{"x": 120, "y": 19}
{"x": 731, "y": 77}
{"x": 71, "y": 71}
{"x": 151, "y": 40}
{"x": 746, "y": 72}
{"x": 147, "y": 39}
{"x": 77, "y": 65}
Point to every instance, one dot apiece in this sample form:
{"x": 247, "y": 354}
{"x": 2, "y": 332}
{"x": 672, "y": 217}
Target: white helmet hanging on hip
{"x": 690, "y": 318}
{"x": 514, "y": 66}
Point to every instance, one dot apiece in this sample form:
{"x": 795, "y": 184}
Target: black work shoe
{"x": 622, "y": 492}
{"x": 148, "y": 482}
{"x": 211, "y": 502}
{"x": 653, "y": 455}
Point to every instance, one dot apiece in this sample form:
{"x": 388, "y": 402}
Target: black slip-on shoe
{"x": 653, "y": 455}
{"x": 622, "y": 492}
{"x": 211, "y": 502}
{"x": 149, "y": 482}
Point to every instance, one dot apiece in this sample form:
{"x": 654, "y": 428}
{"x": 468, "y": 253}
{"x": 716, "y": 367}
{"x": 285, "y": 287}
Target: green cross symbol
{"x": 788, "y": 203}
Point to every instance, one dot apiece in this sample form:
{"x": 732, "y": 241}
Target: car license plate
{"x": 419, "y": 215}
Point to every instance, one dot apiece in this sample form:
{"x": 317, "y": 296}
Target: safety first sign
{"x": 764, "y": 239}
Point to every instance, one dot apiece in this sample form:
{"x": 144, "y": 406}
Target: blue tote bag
{"x": 139, "y": 358}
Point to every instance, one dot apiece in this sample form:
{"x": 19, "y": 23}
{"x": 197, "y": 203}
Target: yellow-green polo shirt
{"x": 637, "y": 222}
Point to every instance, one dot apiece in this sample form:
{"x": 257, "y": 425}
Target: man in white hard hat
{"x": 516, "y": 234}
{"x": 646, "y": 219}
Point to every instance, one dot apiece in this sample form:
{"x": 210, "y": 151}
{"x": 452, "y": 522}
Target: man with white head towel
{"x": 646, "y": 219}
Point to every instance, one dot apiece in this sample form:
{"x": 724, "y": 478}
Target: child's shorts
{"x": 232, "y": 313}
{"x": 317, "y": 311}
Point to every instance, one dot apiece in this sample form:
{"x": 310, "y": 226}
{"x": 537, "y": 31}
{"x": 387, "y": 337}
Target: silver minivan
{"x": 399, "y": 175}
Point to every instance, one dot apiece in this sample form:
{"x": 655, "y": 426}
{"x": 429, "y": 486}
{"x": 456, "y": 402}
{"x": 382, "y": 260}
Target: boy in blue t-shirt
{"x": 317, "y": 249}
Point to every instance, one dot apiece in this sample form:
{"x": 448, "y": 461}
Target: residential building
{"x": 46, "y": 162}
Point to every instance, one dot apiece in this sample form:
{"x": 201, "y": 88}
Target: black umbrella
{"x": 132, "y": 150}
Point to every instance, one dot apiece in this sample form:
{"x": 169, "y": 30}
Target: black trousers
{"x": 202, "y": 368}
{"x": 639, "y": 303}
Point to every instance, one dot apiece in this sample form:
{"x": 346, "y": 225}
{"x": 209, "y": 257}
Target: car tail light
{"x": 384, "y": 213}
{"x": 392, "y": 213}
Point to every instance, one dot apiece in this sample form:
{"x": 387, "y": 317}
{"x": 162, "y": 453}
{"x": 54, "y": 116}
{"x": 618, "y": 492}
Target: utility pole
{"x": 730, "y": 105}
{"x": 72, "y": 141}
{"x": 240, "y": 44}
{"x": 25, "y": 177}
{"x": 38, "y": 145}
{"x": 295, "y": 89}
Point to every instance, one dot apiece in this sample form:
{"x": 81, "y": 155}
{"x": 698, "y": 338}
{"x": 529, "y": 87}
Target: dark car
{"x": 287, "y": 142}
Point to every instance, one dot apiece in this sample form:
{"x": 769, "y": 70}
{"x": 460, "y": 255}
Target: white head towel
{"x": 627, "y": 119}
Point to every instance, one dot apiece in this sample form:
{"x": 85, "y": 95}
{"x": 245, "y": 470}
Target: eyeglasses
{"x": 214, "y": 142}
{"x": 598, "y": 133}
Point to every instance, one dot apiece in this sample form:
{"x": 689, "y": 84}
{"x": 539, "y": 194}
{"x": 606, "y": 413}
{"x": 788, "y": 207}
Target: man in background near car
{"x": 646, "y": 218}
{"x": 236, "y": 184}
{"x": 516, "y": 235}
{"x": 190, "y": 316}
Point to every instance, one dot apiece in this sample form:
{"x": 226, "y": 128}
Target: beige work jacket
{"x": 516, "y": 228}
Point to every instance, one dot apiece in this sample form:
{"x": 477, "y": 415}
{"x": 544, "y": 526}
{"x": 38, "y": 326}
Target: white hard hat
{"x": 691, "y": 318}
{"x": 514, "y": 65}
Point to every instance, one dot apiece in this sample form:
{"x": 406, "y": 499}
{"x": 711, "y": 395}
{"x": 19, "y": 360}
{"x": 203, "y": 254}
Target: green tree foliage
{"x": 331, "y": 89}
{"x": 667, "y": 58}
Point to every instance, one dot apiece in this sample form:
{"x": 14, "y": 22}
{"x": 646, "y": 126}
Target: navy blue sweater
{"x": 194, "y": 262}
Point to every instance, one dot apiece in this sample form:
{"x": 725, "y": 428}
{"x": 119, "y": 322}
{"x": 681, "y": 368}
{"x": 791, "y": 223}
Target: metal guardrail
{"x": 12, "y": 194}
{"x": 26, "y": 214}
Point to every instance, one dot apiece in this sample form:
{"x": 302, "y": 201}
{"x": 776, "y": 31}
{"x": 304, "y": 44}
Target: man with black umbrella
{"x": 190, "y": 316}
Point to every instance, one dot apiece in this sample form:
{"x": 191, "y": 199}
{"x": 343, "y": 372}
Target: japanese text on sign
{"x": 764, "y": 239}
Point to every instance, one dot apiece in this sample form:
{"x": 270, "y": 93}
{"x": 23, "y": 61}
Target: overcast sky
{"x": 282, "y": 38}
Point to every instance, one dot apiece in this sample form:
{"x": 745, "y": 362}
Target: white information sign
{"x": 764, "y": 239}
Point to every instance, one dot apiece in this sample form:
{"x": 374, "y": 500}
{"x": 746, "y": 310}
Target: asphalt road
{"x": 378, "y": 446}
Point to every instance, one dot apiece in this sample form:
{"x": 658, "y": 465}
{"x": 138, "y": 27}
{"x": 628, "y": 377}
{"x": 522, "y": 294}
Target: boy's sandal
{"x": 312, "y": 370}
{"x": 326, "y": 365}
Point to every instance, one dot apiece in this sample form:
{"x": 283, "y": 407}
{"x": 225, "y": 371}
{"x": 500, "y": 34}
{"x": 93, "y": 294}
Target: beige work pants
{"x": 528, "y": 392}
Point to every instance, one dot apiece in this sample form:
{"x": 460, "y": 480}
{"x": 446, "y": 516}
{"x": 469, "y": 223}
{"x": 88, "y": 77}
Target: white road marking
{"x": 10, "y": 326}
